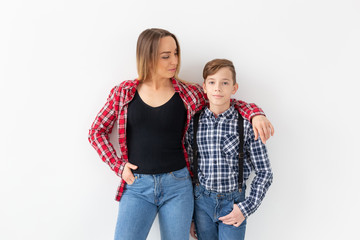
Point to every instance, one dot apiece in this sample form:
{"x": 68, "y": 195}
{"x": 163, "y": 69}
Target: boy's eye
{"x": 225, "y": 83}
{"x": 211, "y": 82}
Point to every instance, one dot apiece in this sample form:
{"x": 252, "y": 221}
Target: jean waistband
{"x": 140, "y": 175}
{"x": 212, "y": 194}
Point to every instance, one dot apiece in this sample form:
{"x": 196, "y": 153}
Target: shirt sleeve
{"x": 201, "y": 98}
{"x": 189, "y": 142}
{"x": 247, "y": 110}
{"x": 100, "y": 130}
{"x": 256, "y": 153}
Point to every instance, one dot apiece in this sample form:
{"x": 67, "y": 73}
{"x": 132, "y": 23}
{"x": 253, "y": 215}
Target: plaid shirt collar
{"x": 230, "y": 114}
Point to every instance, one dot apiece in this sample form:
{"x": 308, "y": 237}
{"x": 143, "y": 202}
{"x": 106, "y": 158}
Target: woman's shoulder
{"x": 125, "y": 86}
{"x": 189, "y": 86}
{"x": 128, "y": 84}
{"x": 123, "y": 89}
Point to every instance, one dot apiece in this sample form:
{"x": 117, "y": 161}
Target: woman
{"x": 153, "y": 113}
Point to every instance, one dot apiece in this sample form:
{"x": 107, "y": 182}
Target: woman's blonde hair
{"x": 147, "y": 51}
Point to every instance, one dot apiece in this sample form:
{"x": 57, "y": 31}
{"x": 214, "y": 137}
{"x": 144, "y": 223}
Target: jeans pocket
{"x": 240, "y": 196}
{"x": 137, "y": 177}
{"x": 181, "y": 174}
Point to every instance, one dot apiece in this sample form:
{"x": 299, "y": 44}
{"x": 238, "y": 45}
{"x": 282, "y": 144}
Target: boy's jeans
{"x": 169, "y": 194}
{"x": 209, "y": 206}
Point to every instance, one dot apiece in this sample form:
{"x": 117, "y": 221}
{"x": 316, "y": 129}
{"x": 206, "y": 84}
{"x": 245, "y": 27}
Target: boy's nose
{"x": 217, "y": 87}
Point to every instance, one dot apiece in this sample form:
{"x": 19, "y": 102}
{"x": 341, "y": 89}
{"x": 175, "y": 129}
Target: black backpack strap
{"x": 195, "y": 146}
{"x": 241, "y": 151}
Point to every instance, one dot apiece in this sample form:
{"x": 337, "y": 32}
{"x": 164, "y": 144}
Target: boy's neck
{"x": 217, "y": 110}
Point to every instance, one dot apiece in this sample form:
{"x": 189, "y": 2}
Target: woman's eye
{"x": 165, "y": 57}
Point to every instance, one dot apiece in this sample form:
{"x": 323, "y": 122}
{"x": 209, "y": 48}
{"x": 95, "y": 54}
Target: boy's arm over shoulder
{"x": 257, "y": 158}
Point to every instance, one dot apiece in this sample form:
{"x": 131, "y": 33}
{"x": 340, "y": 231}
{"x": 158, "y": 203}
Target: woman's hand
{"x": 263, "y": 127}
{"x": 127, "y": 174}
{"x": 234, "y": 218}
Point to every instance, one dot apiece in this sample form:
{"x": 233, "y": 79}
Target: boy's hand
{"x": 193, "y": 231}
{"x": 234, "y": 218}
{"x": 261, "y": 125}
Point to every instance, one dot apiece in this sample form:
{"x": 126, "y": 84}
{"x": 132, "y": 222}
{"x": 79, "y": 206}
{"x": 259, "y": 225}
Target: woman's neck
{"x": 157, "y": 84}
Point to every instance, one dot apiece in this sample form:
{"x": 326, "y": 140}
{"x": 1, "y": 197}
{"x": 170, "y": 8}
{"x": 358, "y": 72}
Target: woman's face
{"x": 167, "y": 59}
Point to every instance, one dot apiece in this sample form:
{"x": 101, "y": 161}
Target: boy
{"x": 221, "y": 208}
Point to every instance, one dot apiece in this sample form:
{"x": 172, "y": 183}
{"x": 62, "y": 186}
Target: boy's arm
{"x": 255, "y": 151}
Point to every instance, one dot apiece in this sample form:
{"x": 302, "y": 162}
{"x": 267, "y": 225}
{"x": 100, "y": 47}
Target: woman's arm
{"x": 100, "y": 130}
{"x": 261, "y": 125}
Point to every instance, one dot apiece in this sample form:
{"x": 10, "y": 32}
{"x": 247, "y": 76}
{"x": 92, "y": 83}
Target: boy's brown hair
{"x": 215, "y": 65}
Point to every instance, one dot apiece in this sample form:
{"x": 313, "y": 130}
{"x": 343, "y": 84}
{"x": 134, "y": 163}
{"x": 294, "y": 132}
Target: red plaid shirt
{"x": 115, "y": 110}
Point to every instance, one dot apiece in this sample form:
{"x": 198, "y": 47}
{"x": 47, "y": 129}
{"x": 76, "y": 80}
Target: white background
{"x": 298, "y": 60}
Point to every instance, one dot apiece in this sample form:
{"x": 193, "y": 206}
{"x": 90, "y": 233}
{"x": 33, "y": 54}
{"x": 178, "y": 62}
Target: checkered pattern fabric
{"x": 218, "y": 156}
{"x": 115, "y": 110}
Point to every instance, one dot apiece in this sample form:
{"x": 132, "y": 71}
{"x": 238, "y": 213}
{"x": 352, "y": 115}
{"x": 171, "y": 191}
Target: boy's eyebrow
{"x": 210, "y": 78}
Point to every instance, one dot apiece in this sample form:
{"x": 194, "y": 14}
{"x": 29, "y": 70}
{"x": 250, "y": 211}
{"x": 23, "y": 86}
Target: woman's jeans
{"x": 209, "y": 206}
{"x": 169, "y": 194}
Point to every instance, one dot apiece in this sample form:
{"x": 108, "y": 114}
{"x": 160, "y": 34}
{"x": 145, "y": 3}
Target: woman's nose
{"x": 174, "y": 60}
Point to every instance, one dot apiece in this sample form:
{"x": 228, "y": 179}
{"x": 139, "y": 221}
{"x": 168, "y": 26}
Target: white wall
{"x": 298, "y": 60}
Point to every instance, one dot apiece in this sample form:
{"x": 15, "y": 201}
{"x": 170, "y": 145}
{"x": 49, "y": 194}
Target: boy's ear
{"x": 236, "y": 87}
{"x": 204, "y": 87}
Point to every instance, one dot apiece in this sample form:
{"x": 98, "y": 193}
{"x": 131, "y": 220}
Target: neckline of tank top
{"x": 151, "y": 107}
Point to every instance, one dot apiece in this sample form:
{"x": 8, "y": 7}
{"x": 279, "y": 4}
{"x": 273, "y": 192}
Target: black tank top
{"x": 154, "y": 135}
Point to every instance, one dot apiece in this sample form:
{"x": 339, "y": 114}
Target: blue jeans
{"x": 169, "y": 194}
{"x": 209, "y": 206}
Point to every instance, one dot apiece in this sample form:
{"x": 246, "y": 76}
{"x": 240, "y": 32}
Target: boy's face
{"x": 219, "y": 87}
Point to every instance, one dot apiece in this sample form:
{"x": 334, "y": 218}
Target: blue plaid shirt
{"x": 218, "y": 156}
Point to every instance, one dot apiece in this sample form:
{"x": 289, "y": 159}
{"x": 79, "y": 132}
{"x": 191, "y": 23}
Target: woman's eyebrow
{"x": 168, "y": 51}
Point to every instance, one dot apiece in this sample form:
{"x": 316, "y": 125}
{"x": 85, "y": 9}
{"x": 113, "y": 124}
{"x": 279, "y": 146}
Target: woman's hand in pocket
{"x": 127, "y": 174}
